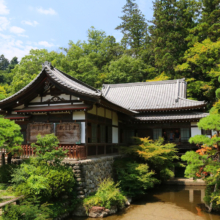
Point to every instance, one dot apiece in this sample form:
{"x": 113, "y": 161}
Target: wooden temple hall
{"x": 90, "y": 122}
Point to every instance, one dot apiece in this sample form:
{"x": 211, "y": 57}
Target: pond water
{"x": 166, "y": 203}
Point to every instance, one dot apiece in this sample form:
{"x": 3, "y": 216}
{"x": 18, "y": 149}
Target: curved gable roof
{"x": 59, "y": 77}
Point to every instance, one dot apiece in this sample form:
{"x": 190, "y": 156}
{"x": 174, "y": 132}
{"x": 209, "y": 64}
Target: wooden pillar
{"x": 105, "y": 131}
{"x": 86, "y": 133}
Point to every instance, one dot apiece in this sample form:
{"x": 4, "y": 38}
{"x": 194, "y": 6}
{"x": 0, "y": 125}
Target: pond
{"x": 166, "y": 203}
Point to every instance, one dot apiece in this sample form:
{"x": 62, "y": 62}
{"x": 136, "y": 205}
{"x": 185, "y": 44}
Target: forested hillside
{"x": 181, "y": 41}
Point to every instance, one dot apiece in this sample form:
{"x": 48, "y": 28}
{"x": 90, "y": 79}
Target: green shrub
{"x": 26, "y": 211}
{"x": 148, "y": 162}
{"x": 44, "y": 176}
{"x": 6, "y": 172}
{"x": 107, "y": 195}
{"x": 134, "y": 178}
{"x": 42, "y": 180}
{"x": 3, "y": 186}
{"x": 47, "y": 182}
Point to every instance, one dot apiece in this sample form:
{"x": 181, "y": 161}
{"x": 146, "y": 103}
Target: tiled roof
{"x": 71, "y": 82}
{"x": 61, "y": 78}
{"x": 174, "y": 116}
{"x": 169, "y": 94}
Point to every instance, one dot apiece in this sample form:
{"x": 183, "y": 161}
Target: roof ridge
{"x": 77, "y": 80}
{"x": 145, "y": 83}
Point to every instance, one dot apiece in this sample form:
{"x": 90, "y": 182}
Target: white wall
{"x": 195, "y": 131}
{"x": 83, "y": 132}
{"x": 79, "y": 115}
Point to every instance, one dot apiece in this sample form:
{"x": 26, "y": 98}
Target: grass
{"x": 6, "y": 190}
{"x": 3, "y": 186}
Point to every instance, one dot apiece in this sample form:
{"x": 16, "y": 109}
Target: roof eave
{"x": 170, "y": 109}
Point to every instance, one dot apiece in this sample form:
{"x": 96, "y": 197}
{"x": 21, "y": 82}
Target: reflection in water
{"x": 167, "y": 203}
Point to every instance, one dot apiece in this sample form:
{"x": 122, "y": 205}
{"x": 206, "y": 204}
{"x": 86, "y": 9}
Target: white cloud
{"x": 45, "y": 44}
{"x": 49, "y": 11}
{"x": 19, "y": 43}
{"x": 3, "y": 8}
{"x": 11, "y": 47}
{"x": 4, "y": 22}
{"x": 31, "y": 23}
{"x": 16, "y": 30}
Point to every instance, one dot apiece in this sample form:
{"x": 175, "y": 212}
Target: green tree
{"x": 147, "y": 162}
{"x": 89, "y": 61}
{"x": 2, "y": 93}
{"x": 13, "y": 63}
{"x": 31, "y": 65}
{"x": 209, "y": 23}
{"x": 133, "y": 27}
{"x": 10, "y": 138}
{"x": 126, "y": 69}
{"x": 171, "y": 23}
{"x": 3, "y": 62}
{"x": 205, "y": 163}
{"x": 202, "y": 69}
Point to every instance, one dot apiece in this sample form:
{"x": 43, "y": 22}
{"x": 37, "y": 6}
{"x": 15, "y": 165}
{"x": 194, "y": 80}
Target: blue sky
{"x": 50, "y": 24}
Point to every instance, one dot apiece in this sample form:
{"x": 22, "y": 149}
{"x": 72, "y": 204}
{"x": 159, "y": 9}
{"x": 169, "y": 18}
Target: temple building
{"x": 90, "y": 122}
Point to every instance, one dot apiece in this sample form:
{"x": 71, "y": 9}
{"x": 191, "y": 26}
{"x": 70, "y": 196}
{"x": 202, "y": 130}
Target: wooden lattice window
{"x": 35, "y": 129}
{"x": 69, "y": 133}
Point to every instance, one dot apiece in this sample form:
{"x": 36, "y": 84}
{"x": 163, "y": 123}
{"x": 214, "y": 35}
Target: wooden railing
{"x": 77, "y": 152}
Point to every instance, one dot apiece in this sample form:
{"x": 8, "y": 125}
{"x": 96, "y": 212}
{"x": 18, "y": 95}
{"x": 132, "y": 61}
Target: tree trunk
{"x": 3, "y": 159}
{"x": 9, "y": 158}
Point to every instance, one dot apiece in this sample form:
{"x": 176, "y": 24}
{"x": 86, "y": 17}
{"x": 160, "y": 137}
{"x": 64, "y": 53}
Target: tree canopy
{"x": 181, "y": 41}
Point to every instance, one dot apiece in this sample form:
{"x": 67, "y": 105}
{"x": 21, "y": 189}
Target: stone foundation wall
{"x": 89, "y": 173}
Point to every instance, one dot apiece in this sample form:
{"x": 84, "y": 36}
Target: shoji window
{"x": 185, "y": 134}
{"x": 157, "y": 133}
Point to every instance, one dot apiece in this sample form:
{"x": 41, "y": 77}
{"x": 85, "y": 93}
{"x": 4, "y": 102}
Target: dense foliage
{"x": 10, "y": 137}
{"x": 43, "y": 180}
{"x": 107, "y": 195}
{"x": 205, "y": 162}
{"x": 26, "y": 211}
{"x": 5, "y": 173}
{"x": 181, "y": 41}
{"x": 147, "y": 163}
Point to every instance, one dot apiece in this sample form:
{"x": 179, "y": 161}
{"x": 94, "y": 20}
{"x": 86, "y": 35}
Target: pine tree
{"x": 205, "y": 163}
{"x": 133, "y": 27}
{"x": 171, "y": 21}
{"x": 209, "y": 23}
{"x": 3, "y": 62}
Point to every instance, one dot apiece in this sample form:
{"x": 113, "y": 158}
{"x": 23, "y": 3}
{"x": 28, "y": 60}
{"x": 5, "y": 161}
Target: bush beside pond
{"x": 147, "y": 163}
{"x": 107, "y": 196}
